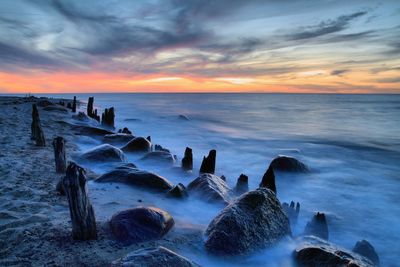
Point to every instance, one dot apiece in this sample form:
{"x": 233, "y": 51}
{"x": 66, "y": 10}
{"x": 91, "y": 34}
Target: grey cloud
{"x": 338, "y": 72}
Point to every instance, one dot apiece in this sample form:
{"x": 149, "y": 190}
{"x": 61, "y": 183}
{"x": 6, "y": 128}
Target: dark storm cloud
{"x": 325, "y": 27}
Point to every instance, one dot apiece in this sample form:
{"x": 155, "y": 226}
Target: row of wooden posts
{"x": 75, "y": 187}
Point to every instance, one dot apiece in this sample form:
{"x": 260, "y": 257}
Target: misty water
{"x": 350, "y": 142}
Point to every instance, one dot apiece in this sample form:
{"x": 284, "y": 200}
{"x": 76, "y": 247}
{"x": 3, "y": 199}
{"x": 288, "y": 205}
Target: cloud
{"x": 389, "y": 80}
{"x": 325, "y": 27}
{"x": 339, "y": 72}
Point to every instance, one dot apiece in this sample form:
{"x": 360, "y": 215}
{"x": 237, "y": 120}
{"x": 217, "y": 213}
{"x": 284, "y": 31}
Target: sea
{"x": 351, "y": 143}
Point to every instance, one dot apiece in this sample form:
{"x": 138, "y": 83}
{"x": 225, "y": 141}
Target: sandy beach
{"x": 35, "y": 228}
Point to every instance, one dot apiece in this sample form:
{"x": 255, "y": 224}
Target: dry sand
{"x": 35, "y": 227}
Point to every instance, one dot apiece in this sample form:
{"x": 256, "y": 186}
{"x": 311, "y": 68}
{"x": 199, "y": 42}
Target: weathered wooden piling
{"x": 74, "y": 105}
{"x": 81, "y": 211}
{"x": 268, "y": 180}
{"x": 59, "y": 154}
{"x": 36, "y": 129}
{"x": 187, "y": 160}
{"x": 208, "y": 164}
{"x": 107, "y": 118}
{"x": 90, "y": 112}
{"x": 242, "y": 184}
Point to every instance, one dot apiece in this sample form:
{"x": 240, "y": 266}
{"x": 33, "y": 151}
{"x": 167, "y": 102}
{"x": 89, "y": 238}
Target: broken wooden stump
{"x": 36, "y": 129}
{"x": 187, "y": 160}
{"x": 74, "y": 105}
{"x": 59, "y": 154}
{"x": 268, "y": 180}
{"x": 107, "y": 118}
{"x": 242, "y": 184}
{"x": 81, "y": 211}
{"x": 208, "y": 164}
{"x": 90, "y": 112}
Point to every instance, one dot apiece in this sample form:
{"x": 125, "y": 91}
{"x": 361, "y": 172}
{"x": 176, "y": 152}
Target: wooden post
{"x": 81, "y": 211}
{"x": 59, "y": 154}
{"x": 242, "y": 184}
{"x": 208, "y": 164}
{"x": 107, "y": 117}
{"x": 187, "y": 161}
{"x": 36, "y": 128}
{"x": 90, "y": 107}
{"x": 74, "y": 105}
{"x": 268, "y": 180}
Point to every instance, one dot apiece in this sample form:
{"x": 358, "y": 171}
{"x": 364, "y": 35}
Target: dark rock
{"x": 125, "y": 130}
{"x": 90, "y": 131}
{"x": 208, "y": 164}
{"x": 160, "y": 148}
{"x": 268, "y": 180}
{"x": 223, "y": 178}
{"x": 187, "y": 160}
{"x": 81, "y": 116}
{"x": 104, "y": 153}
{"x": 135, "y": 177}
{"x": 292, "y": 211}
{"x": 317, "y": 226}
{"x": 183, "y": 117}
{"x": 364, "y": 248}
{"x": 210, "y": 188}
{"x": 56, "y": 108}
{"x": 288, "y": 164}
{"x": 149, "y": 138}
{"x": 314, "y": 252}
{"x": 107, "y": 118}
{"x": 138, "y": 144}
{"x": 154, "y": 257}
{"x": 140, "y": 224}
{"x": 254, "y": 221}
{"x": 160, "y": 157}
{"x": 178, "y": 191}
{"x": 44, "y": 103}
{"x": 118, "y": 138}
{"x": 242, "y": 184}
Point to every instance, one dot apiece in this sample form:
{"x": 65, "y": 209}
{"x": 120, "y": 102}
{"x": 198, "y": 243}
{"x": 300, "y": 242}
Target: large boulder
{"x": 254, "y": 221}
{"x": 210, "y": 187}
{"x": 133, "y": 176}
{"x": 160, "y": 157}
{"x": 314, "y": 252}
{"x": 153, "y": 257}
{"x": 117, "y": 138}
{"x": 178, "y": 191}
{"x": 104, "y": 153}
{"x": 364, "y": 248}
{"x": 138, "y": 144}
{"x": 288, "y": 164}
{"x": 140, "y": 224}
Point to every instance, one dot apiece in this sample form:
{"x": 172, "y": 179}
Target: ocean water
{"x": 350, "y": 142}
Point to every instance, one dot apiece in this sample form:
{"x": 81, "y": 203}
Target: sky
{"x": 291, "y": 46}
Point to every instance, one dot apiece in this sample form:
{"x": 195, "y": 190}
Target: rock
{"x": 153, "y": 257}
{"x": 314, "y": 252}
{"x": 90, "y": 131}
{"x": 254, "y": 221}
{"x": 364, "y": 248}
{"x": 132, "y": 176}
{"x": 160, "y": 157}
{"x": 178, "y": 191}
{"x": 138, "y": 144}
{"x": 187, "y": 160}
{"x": 140, "y": 224}
{"x": 118, "y": 138}
{"x": 81, "y": 117}
{"x": 268, "y": 180}
{"x": 210, "y": 188}
{"x": 288, "y": 164}
{"x": 148, "y": 138}
{"x": 223, "y": 178}
{"x": 160, "y": 148}
{"x": 317, "y": 226}
{"x": 183, "y": 117}
{"x": 208, "y": 164}
{"x": 44, "y": 103}
{"x": 56, "y": 108}
{"x": 242, "y": 184}
{"x": 125, "y": 131}
{"x": 104, "y": 153}
{"x": 291, "y": 211}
